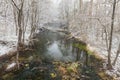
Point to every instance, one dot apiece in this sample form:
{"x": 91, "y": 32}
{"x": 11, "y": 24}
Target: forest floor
{"x": 38, "y": 69}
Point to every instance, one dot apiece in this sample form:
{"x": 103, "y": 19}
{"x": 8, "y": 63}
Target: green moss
{"x": 89, "y": 52}
{"x": 80, "y": 46}
{"x": 83, "y": 47}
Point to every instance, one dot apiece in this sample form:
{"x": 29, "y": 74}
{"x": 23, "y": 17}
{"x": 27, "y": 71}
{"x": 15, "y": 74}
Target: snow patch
{"x": 11, "y": 66}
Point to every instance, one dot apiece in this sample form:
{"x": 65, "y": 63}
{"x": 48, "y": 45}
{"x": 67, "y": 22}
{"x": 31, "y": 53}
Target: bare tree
{"x": 34, "y": 17}
{"x": 18, "y": 11}
{"x": 19, "y": 23}
{"x": 111, "y": 36}
{"x": 91, "y": 7}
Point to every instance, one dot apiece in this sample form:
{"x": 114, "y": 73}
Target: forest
{"x": 59, "y": 39}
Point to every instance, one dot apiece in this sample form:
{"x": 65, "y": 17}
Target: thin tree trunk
{"x": 106, "y": 37}
{"x": 111, "y": 35}
{"x": 15, "y": 19}
{"x": 118, "y": 52}
{"x": 81, "y": 4}
{"x": 91, "y": 7}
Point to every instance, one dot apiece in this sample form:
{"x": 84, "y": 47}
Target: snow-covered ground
{"x": 5, "y": 49}
{"x": 7, "y": 44}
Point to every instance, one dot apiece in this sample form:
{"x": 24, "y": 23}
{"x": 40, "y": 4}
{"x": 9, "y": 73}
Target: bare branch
{"x": 14, "y": 4}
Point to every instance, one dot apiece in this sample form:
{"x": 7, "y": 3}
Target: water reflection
{"x": 54, "y": 51}
{"x": 55, "y": 46}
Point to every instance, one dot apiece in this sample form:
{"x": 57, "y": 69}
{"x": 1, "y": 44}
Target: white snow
{"x": 8, "y": 43}
{"x": 10, "y": 66}
{"x": 4, "y": 50}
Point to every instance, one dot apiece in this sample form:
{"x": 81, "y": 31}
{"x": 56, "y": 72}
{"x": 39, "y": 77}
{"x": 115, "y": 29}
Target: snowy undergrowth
{"x": 9, "y": 43}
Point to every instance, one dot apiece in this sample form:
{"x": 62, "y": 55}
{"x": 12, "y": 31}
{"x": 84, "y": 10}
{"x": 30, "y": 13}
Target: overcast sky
{"x": 58, "y": 1}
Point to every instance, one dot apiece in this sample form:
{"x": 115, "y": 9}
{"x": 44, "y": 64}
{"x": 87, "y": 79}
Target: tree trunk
{"x": 91, "y": 7}
{"x": 118, "y": 52}
{"x": 19, "y": 23}
{"x": 111, "y": 35}
{"x": 81, "y": 4}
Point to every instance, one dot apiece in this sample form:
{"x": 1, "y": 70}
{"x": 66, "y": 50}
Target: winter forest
{"x": 59, "y": 39}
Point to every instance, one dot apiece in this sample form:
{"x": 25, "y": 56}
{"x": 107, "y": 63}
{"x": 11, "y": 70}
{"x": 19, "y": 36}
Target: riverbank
{"x": 100, "y": 50}
{"x": 32, "y": 67}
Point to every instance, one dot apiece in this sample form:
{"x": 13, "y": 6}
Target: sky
{"x": 56, "y": 1}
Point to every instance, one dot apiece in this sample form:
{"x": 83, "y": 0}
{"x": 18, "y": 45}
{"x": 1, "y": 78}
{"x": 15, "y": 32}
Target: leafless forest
{"x": 94, "y": 22}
